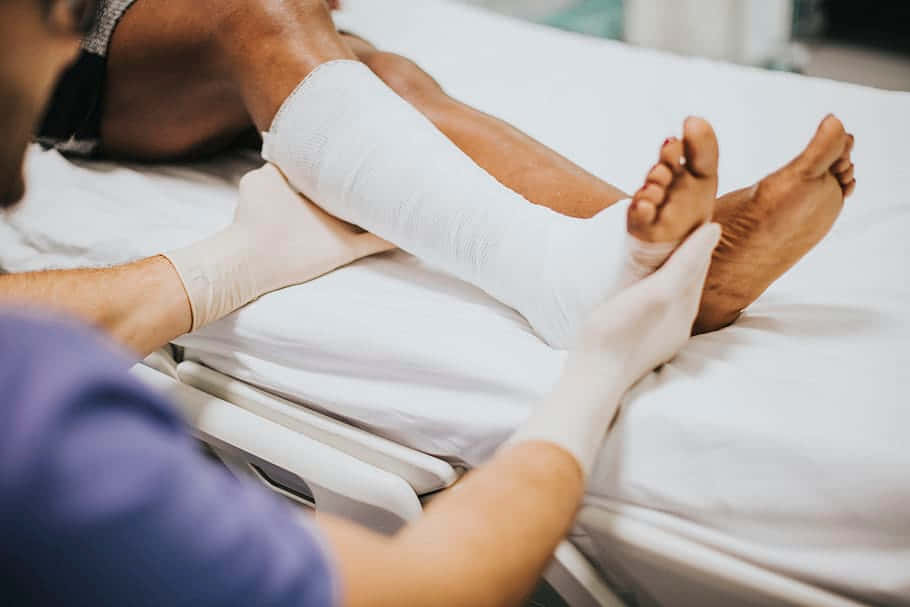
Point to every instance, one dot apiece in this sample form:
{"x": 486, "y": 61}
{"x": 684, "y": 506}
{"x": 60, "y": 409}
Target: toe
{"x": 671, "y": 155}
{"x": 671, "y": 222}
{"x": 661, "y": 174}
{"x": 848, "y": 149}
{"x": 652, "y": 193}
{"x": 701, "y": 149}
{"x": 841, "y": 165}
{"x": 845, "y": 161}
{"x": 846, "y": 176}
{"x": 641, "y": 215}
{"x": 849, "y": 188}
{"x": 825, "y": 148}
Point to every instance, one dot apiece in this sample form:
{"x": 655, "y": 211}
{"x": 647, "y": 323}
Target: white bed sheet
{"x": 782, "y": 439}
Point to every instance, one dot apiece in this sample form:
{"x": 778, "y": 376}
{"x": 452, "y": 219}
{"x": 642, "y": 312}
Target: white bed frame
{"x": 334, "y": 467}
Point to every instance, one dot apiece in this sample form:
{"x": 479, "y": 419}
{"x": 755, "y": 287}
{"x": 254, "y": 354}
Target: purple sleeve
{"x": 104, "y": 499}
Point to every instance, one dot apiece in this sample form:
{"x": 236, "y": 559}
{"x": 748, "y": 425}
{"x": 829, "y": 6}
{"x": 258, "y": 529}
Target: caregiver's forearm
{"x": 484, "y": 542}
{"x": 142, "y": 304}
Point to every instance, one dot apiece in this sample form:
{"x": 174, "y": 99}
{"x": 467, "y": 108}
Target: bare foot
{"x": 769, "y": 227}
{"x": 569, "y": 283}
{"x": 680, "y": 190}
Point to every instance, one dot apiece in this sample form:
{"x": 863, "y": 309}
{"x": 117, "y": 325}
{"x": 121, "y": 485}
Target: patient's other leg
{"x": 769, "y": 227}
{"x": 516, "y": 160}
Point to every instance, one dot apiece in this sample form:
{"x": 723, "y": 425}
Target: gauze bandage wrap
{"x": 347, "y": 141}
{"x": 625, "y": 337}
{"x": 277, "y": 239}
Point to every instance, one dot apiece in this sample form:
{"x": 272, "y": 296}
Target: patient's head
{"x": 38, "y": 38}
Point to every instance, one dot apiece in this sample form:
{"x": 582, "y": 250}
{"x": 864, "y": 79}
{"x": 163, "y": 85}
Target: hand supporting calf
{"x": 625, "y": 338}
{"x": 277, "y": 239}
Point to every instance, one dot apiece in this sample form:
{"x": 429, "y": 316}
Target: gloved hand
{"x": 278, "y": 238}
{"x": 626, "y": 337}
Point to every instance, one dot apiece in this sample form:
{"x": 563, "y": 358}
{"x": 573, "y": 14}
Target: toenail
{"x": 668, "y": 141}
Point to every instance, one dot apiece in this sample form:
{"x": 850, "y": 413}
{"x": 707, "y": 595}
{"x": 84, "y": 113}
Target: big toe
{"x": 701, "y": 147}
{"x": 825, "y": 149}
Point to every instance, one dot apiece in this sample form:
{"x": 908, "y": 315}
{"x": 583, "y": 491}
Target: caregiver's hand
{"x": 499, "y": 526}
{"x": 278, "y": 238}
{"x": 648, "y": 323}
{"x": 626, "y": 337}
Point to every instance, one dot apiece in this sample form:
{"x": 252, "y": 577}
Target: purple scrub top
{"x": 105, "y": 499}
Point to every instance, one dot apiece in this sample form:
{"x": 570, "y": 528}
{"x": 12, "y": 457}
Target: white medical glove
{"x": 278, "y": 238}
{"x": 626, "y": 337}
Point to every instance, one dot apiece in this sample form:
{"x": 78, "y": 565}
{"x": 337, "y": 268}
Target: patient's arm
{"x": 141, "y": 304}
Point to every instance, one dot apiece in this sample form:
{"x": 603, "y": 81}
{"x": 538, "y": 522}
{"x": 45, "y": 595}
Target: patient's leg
{"x": 348, "y": 141}
{"x": 170, "y": 94}
{"x": 519, "y": 162}
{"x": 181, "y": 89}
{"x": 187, "y": 77}
{"x": 767, "y": 228}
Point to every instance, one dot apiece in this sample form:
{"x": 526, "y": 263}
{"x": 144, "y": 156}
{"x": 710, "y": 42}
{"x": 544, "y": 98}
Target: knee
{"x": 403, "y": 76}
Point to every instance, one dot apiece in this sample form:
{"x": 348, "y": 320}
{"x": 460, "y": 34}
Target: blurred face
{"x": 38, "y": 38}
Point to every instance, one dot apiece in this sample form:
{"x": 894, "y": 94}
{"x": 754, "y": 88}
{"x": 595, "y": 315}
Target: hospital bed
{"x": 327, "y": 465}
{"x": 767, "y": 464}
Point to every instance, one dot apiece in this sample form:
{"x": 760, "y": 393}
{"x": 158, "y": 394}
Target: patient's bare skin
{"x": 679, "y": 192}
{"x": 219, "y": 68}
{"x": 769, "y": 227}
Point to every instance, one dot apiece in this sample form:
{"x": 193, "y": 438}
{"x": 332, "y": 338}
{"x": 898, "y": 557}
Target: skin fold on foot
{"x": 769, "y": 227}
{"x": 680, "y": 190}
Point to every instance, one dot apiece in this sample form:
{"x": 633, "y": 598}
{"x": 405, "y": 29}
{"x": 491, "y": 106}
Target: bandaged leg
{"x": 347, "y": 141}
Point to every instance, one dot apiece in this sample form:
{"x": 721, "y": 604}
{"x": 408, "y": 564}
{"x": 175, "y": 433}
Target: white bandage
{"x": 348, "y": 142}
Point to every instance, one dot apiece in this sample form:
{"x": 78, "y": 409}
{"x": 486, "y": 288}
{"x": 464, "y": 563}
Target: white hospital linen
{"x": 783, "y": 440}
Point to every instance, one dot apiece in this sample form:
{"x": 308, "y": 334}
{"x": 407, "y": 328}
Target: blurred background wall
{"x": 863, "y": 41}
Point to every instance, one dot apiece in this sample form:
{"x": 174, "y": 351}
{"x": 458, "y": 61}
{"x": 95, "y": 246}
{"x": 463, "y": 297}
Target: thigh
{"x": 170, "y": 94}
{"x": 181, "y": 81}
{"x": 166, "y": 93}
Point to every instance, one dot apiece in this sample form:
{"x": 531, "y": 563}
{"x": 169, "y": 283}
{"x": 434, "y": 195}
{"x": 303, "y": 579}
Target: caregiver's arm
{"x": 108, "y": 464}
{"x": 142, "y": 304}
{"x": 487, "y": 541}
{"x": 277, "y": 239}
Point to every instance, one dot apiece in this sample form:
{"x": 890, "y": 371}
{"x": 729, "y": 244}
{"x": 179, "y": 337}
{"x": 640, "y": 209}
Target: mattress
{"x": 781, "y": 440}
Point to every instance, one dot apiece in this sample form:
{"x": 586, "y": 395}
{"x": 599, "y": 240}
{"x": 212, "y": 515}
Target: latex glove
{"x": 278, "y": 238}
{"x": 626, "y": 337}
